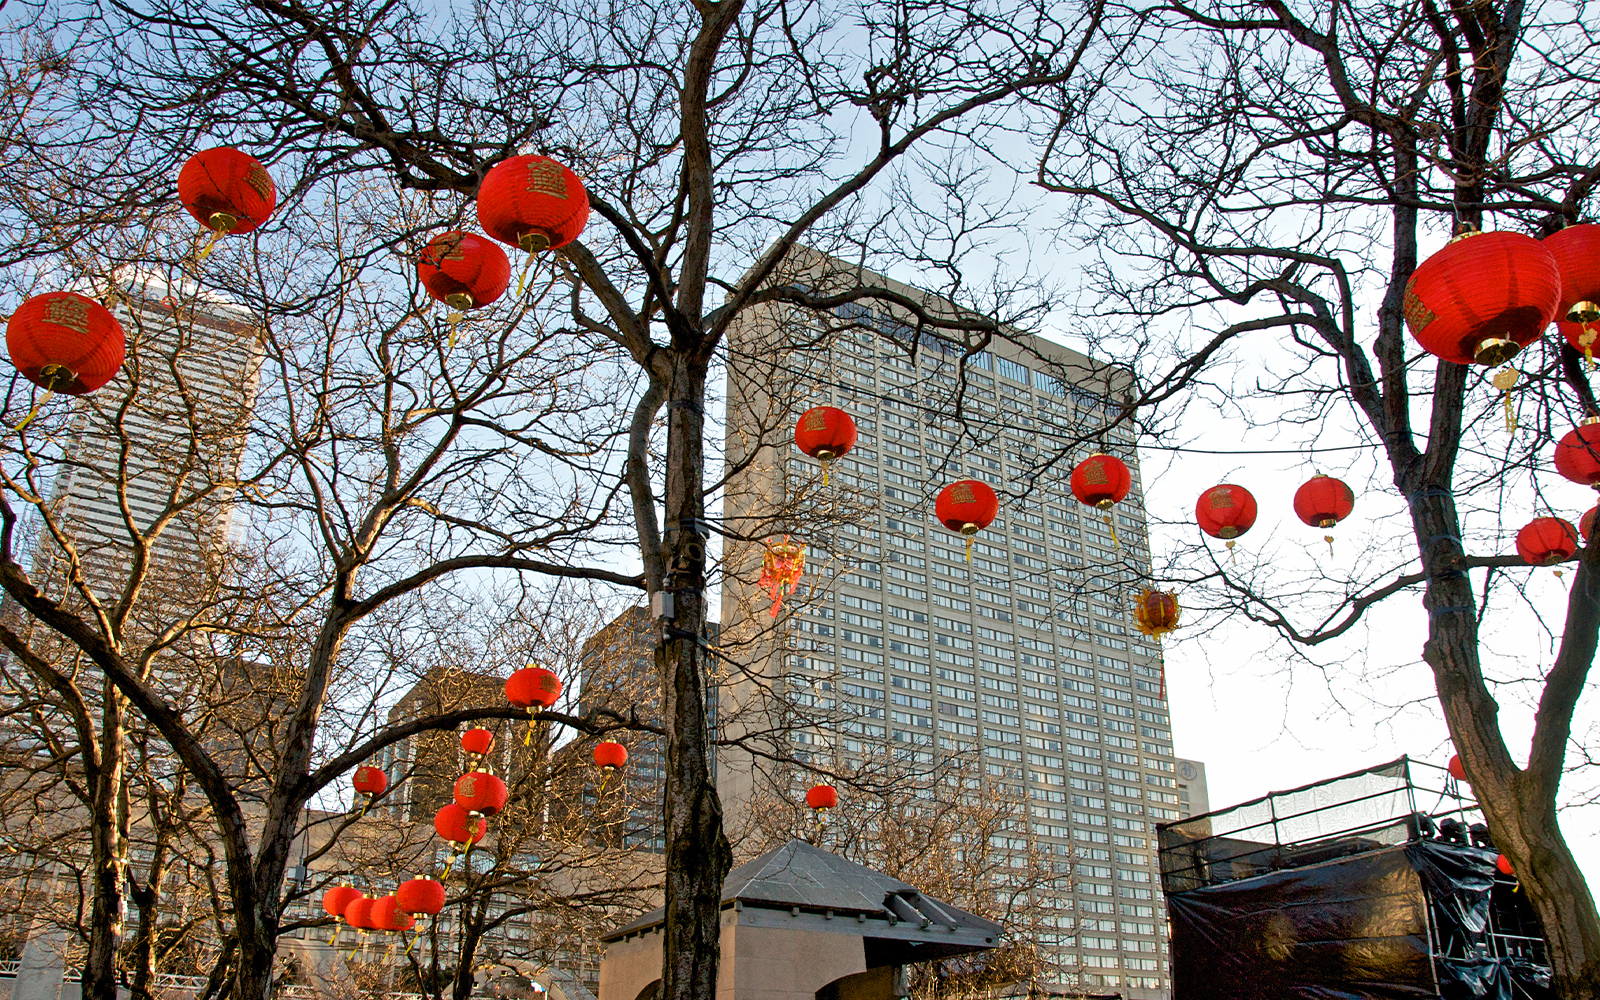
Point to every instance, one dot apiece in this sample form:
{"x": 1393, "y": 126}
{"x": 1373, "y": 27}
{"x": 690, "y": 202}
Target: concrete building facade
{"x": 901, "y": 652}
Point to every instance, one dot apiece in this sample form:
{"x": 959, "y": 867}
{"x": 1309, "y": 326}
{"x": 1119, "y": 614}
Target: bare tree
{"x": 1288, "y": 170}
{"x": 714, "y": 138}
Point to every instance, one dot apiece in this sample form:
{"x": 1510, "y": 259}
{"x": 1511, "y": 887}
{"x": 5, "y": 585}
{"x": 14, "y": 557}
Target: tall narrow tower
{"x": 902, "y": 652}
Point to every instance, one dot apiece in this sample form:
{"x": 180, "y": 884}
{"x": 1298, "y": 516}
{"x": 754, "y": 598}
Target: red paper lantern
{"x": 825, "y": 433}
{"x": 455, "y": 824}
{"x": 370, "y": 780}
{"x": 822, "y": 797}
{"x": 336, "y": 900}
{"x": 421, "y": 895}
{"x": 1156, "y": 612}
{"x": 463, "y": 270}
{"x": 533, "y": 686}
{"x": 1456, "y": 770}
{"x": 359, "y": 914}
{"x": 1503, "y": 863}
{"x": 1577, "y": 253}
{"x": 1482, "y": 298}
{"x": 477, "y": 741}
{"x": 226, "y": 190}
{"x": 388, "y": 916}
{"x": 1225, "y": 511}
{"x": 1101, "y": 480}
{"x": 65, "y": 342}
{"x": 481, "y": 792}
{"x": 532, "y": 202}
{"x": 967, "y": 506}
{"x": 1545, "y": 541}
{"x": 1578, "y": 455}
{"x": 1586, "y": 523}
{"x": 1323, "y": 501}
{"x": 610, "y": 755}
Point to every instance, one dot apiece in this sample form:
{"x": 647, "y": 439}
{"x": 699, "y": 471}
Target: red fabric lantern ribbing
{"x": 1100, "y": 481}
{"x": 370, "y": 780}
{"x": 388, "y": 916}
{"x": 226, "y": 190}
{"x": 1456, "y": 770}
{"x": 1586, "y": 523}
{"x": 610, "y": 755}
{"x": 533, "y": 686}
{"x": 477, "y": 741}
{"x": 463, "y": 270}
{"x": 455, "y": 824}
{"x": 481, "y": 792}
{"x": 1225, "y": 511}
{"x": 1577, "y": 253}
{"x": 1323, "y": 501}
{"x": 336, "y": 900}
{"x": 532, "y": 202}
{"x": 1578, "y": 455}
{"x": 967, "y": 506}
{"x": 1545, "y": 541}
{"x": 825, "y": 432}
{"x": 421, "y": 895}
{"x": 1482, "y": 298}
{"x": 822, "y": 797}
{"x": 359, "y": 914}
{"x": 65, "y": 342}
{"x": 1156, "y": 612}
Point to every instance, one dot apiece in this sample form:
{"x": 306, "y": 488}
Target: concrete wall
{"x": 766, "y": 964}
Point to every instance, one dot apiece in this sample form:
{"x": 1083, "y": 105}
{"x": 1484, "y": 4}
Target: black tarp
{"x": 1350, "y": 929}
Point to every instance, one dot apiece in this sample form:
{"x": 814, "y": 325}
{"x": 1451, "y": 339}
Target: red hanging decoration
{"x": 1586, "y": 523}
{"x": 477, "y": 741}
{"x": 1482, "y": 298}
{"x": 370, "y": 780}
{"x": 457, "y": 825}
{"x": 1578, "y": 454}
{"x": 532, "y": 202}
{"x": 1576, "y": 250}
{"x": 1156, "y": 612}
{"x": 421, "y": 895}
{"x": 227, "y": 191}
{"x": 967, "y": 506}
{"x": 481, "y": 792}
{"x": 388, "y": 916}
{"x": 359, "y": 914}
{"x": 782, "y": 565}
{"x": 822, "y": 797}
{"x": 825, "y": 433}
{"x": 1101, "y": 480}
{"x": 336, "y": 900}
{"x": 1457, "y": 771}
{"x": 65, "y": 342}
{"x": 1545, "y": 541}
{"x": 1323, "y": 502}
{"x": 610, "y": 755}
{"x": 1226, "y": 511}
{"x": 1503, "y": 864}
{"x": 463, "y": 270}
{"x": 532, "y": 686}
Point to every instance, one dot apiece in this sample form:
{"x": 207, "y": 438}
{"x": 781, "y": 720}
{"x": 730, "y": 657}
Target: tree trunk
{"x": 108, "y": 853}
{"x": 698, "y": 855}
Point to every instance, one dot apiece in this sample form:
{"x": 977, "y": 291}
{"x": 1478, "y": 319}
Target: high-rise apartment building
{"x": 903, "y": 652}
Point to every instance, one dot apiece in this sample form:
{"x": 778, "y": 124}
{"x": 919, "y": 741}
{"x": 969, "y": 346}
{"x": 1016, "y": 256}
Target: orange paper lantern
{"x": 1101, "y": 480}
{"x": 1578, "y": 455}
{"x": 1576, "y": 250}
{"x": 532, "y": 686}
{"x": 532, "y": 202}
{"x": 1482, "y": 298}
{"x": 226, "y": 190}
{"x": 65, "y": 342}
{"x": 1156, "y": 612}
{"x": 610, "y": 755}
{"x": 481, "y": 792}
{"x": 421, "y": 895}
{"x": 821, "y": 797}
{"x": 1545, "y": 541}
{"x": 463, "y": 270}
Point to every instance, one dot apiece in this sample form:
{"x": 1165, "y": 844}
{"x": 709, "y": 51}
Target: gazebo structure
{"x": 799, "y": 923}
